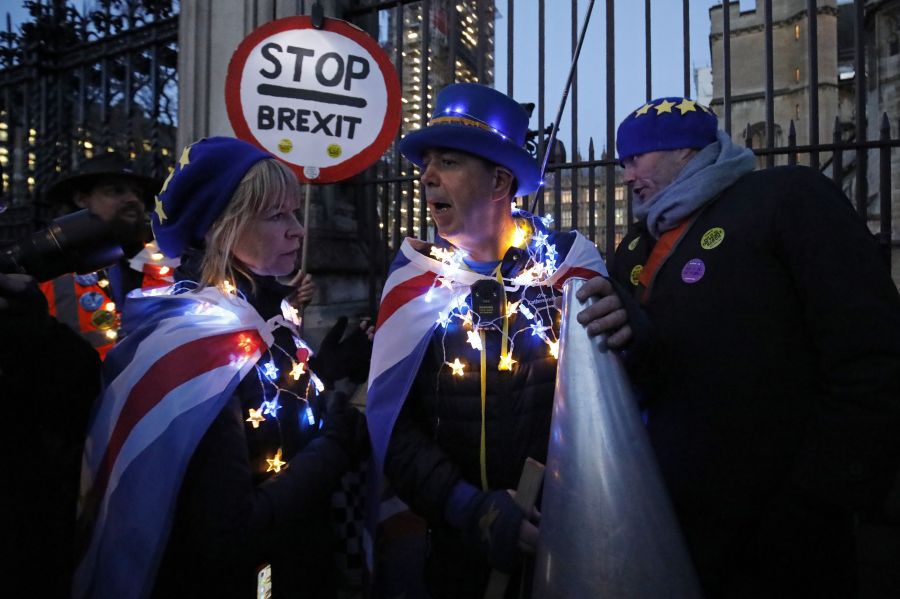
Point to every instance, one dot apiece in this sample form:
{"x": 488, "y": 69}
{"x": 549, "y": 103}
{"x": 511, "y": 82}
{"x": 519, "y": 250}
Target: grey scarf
{"x": 715, "y": 168}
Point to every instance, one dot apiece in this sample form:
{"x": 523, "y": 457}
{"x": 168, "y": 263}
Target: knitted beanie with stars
{"x": 669, "y": 123}
{"x": 199, "y": 189}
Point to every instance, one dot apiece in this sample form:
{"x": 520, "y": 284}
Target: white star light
{"x": 271, "y": 407}
{"x": 270, "y": 371}
{"x": 474, "y": 340}
{"x": 539, "y": 330}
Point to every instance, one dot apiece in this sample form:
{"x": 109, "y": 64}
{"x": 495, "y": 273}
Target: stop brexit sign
{"x": 324, "y": 101}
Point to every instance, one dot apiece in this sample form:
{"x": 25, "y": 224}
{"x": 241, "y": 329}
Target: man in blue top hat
{"x": 772, "y": 387}
{"x": 464, "y": 362}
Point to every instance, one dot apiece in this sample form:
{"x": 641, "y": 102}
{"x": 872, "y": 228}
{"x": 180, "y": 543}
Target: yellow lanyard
{"x": 503, "y": 350}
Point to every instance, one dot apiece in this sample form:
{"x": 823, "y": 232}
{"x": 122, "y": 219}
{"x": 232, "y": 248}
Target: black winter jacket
{"x": 233, "y": 516}
{"x": 773, "y": 388}
{"x": 49, "y": 372}
{"x": 436, "y": 439}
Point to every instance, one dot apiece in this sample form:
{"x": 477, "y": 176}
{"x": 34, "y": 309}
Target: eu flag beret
{"x": 199, "y": 189}
{"x": 668, "y": 123}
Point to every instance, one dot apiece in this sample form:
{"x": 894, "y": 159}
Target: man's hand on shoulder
{"x": 606, "y": 315}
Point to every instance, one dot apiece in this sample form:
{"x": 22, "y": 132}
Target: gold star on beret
{"x": 664, "y": 106}
{"x": 686, "y": 106}
{"x": 160, "y": 210}
{"x": 185, "y": 157}
{"x": 643, "y": 109}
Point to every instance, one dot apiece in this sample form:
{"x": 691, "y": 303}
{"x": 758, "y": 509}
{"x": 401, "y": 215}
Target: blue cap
{"x": 199, "y": 189}
{"x": 666, "y": 124}
{"x": 481, "y": 121}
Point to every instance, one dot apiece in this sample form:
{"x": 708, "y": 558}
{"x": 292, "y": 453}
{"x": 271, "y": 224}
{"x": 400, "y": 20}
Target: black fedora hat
{"x": 92, "y": 170}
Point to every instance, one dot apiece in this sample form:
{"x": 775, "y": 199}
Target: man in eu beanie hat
{"x": 472, "y": 161}
{"x": 772, "y": 385}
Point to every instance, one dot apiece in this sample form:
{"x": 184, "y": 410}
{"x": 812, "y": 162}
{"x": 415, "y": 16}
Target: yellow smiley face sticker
{"x": 333, "y": 150}
{"x": 633, "y": 244}
{"x": 285, "y": 146}
{"x": 636, "y": 274}
{"x": 712, "y": 238}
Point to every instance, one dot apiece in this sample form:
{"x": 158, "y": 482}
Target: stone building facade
{"x": 837, "y": 79}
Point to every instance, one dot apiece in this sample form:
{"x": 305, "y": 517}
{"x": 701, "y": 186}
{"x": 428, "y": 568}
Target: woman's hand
{"x": 304, "y": 290}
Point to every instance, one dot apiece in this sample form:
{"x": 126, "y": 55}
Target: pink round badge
{"x": 693, "y": 271}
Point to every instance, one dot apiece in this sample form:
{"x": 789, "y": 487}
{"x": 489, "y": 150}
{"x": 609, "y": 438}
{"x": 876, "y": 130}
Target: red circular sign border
{"x": 352, "y": 165}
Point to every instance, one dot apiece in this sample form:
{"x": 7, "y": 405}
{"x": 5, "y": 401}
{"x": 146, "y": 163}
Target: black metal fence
{"x": 585, "y": 192}
{"x": 75, "y": 83}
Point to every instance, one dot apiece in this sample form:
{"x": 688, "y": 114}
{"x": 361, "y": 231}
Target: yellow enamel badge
{"x": 633, "y": 244}
{"x": 636, "y": 274}
{"x": 712, "y": 238}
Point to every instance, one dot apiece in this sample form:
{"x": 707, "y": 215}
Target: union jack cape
{"x": 407, "y": 317}
{"x": 163, "y": 386}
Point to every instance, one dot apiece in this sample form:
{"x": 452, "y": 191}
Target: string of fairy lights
{"x": 269, "y": 375}
{"x": 542, "y": 263}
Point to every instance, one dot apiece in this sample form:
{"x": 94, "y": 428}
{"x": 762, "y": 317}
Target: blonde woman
{"x": 215, "y": 448}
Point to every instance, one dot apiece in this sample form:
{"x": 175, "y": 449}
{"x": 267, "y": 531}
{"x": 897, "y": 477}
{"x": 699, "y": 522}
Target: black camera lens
{"x": 79, "y": 242}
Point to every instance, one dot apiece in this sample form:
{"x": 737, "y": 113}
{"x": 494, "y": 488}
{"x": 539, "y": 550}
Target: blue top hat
{"x": 669, "y": 123}
{"x": 481, "y": 121}
{"x": 199, "y": 189}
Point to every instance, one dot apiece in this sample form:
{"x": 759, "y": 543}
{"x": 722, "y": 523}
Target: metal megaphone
{"x": 607, "y": 525}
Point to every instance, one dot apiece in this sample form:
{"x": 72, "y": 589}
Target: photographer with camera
{"x": 107, "y": 187}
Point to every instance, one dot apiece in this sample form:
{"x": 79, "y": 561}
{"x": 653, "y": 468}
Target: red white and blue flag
{"x": 412, "y": 302}
{"x": 164, "y": 384}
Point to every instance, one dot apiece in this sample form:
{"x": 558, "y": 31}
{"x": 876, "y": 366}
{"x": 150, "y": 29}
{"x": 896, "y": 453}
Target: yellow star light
{"x": 687, "y": 106}
{"x": 664, "y": 106}
{"x": 275, "y": 463}
{"x": 511, "y": 308}
{"x": 255, "y": 417}
{"x": 506, "y": 362}
{"x": 554, "y": 349}
{"x": 518, "y": 238}
{"x": 457, "y": 366}
{"x": 440, "y": 253}
{"x": 298, "y": 370}
{"x": 160, "y": 210}
{"x": 185, "y": 157}
{"x": 474, "y": 339}
{"x": 643, "y": 109}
